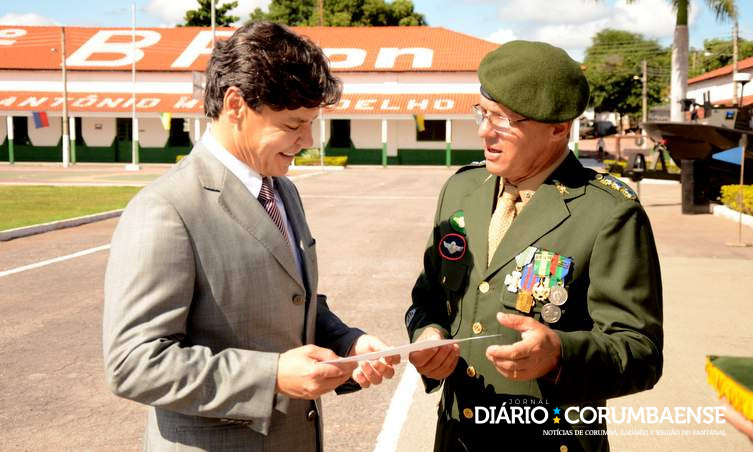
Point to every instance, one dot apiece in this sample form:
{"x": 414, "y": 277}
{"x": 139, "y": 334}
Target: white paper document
{"x": 403, "y": 350}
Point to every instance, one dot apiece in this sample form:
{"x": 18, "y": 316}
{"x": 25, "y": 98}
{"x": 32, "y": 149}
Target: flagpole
{"x": 134, "y": 166}
{"x": 66, "y": 138}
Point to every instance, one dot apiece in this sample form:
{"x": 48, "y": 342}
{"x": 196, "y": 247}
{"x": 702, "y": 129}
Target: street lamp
{"x": 742, "y": 78}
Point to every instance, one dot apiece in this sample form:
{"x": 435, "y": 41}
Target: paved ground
{"x": 371, "y": 225}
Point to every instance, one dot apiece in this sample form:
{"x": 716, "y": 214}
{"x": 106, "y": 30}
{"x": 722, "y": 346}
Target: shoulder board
{"x": 472, "y": 165}
{"x": 612, "y": 183}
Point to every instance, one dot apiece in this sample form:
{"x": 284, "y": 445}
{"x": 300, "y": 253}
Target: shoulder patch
{"x": 611, "y": 182}
{"x": 472, "y": 165}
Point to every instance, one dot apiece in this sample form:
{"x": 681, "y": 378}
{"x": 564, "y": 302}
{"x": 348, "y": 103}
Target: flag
{"x": 165, "y": 118}
{"x": 40, "y": 119}
{"x": 419, "y": 122}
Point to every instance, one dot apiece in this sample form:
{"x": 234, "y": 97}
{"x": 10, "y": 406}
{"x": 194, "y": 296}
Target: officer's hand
{"x": 437, "y": 362}
{"x": 372, "y": 372}
{"x": 535, "y": 355}
{"x": 301, "y": 375}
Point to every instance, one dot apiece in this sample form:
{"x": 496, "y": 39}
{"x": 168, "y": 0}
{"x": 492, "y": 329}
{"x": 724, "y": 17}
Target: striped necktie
{"x": 502, "y": 218}
{"x": 267, "y": 200}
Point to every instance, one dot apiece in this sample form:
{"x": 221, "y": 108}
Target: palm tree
{"x": 724, "y": 9}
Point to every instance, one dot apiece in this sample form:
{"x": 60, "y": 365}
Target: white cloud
{"x": 502, "y": 36}
{"x": 571, "y": 25}
{"x": 573, "y": 38}
{"x": 553, "y": 12}
{"x": 173, "y": 11}
{"x": 245, "y": 7}
{"x": 652, "y": 18}
{"x": 170, "y": 11}
{"x": 26, "y": 19}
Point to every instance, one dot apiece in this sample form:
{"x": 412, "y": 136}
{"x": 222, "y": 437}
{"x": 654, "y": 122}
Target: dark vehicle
{"x": 596, "y": 129}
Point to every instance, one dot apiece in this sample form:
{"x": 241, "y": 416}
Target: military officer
{"x": 557, "y": 263}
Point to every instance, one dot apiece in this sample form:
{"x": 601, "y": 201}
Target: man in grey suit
{"x": 211, "y": 309}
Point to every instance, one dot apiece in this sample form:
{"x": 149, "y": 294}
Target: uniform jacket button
{"x": 298, "y": 300}
{"x": 483, "y": 287}
{"x": 477, "y": 328}
{"x": 468, "y": 413}
{"x": 471, "y": 371}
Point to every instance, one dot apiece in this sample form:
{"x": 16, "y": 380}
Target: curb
{"x": 724, "y": 211}
{"x": 25, "y": 231}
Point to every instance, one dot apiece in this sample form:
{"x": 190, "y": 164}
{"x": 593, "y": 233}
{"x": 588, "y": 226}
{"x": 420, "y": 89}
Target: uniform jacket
{"x": 611, "y": 325}
{"x": 202, "y": 294}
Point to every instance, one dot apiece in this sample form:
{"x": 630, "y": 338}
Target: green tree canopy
{"x": 341, "y": 13}
{"x": 614, "y": 69}
{"x": 202, "y": 17}
{"x": 717, "y": 53}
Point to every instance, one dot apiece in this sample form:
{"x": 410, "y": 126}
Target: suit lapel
{"x": 544, "y": 212}
{"x": 297, "y": 220}
{"x": 246, "y": 210}
{"x": 477, "y": 207}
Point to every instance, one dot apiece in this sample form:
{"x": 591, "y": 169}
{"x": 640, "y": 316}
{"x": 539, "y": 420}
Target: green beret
{"x": 536, "y": 80}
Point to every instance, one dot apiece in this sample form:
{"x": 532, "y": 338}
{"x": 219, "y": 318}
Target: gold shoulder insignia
{"x": 615, "y": 184}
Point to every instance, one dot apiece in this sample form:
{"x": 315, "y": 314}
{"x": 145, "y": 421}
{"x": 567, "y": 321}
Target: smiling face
{"x": 265, "y": 140}
{"x": 522, "y": 150}
{"x": 270, "y": 139}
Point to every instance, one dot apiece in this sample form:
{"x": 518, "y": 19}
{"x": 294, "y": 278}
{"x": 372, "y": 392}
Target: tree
{"x": 341, "y": 13}
{"x": 202, "y": 17}
{"x": 717, "y": 53}
{"x": 614, "y": 66}
{"x": 724, "y": 9}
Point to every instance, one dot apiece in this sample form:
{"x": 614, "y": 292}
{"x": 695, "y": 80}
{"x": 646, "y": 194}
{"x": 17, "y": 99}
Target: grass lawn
{"x": 27, "y": 205}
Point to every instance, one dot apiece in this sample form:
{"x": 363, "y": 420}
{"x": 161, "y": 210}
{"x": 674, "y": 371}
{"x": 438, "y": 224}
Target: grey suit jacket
{"x": 202, "y": 294}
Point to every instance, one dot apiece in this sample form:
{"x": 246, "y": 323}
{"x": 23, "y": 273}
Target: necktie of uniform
{"x": 501, "y": 218}
{"x": 267, "y": 200}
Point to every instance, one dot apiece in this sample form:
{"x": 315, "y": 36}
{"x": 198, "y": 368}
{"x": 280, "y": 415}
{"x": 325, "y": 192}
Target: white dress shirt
{"x": 252, "y": 181}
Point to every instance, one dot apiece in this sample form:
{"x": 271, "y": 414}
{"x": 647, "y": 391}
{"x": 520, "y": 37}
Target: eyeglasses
{"x": 496, "y": 121}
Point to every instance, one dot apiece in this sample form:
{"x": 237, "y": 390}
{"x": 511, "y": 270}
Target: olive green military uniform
{"x": 610, "y": 325}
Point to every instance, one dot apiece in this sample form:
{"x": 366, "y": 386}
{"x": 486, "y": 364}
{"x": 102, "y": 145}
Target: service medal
{"x": 524, "y": 302}
{"x": 512, "y": 280}
{"x": 524, "y": 258}
{"x": 558, "y": 295}
{"x": 541, "y": 290}
{"x": 551, "y": 313}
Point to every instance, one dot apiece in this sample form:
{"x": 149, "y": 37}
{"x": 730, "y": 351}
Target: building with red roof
{"x": 393, "y": 78}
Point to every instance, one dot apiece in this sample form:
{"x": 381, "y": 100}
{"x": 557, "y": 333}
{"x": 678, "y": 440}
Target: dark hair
{"x": 271, "y": 66}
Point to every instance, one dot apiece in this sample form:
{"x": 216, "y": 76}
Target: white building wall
{"x": 465, "y": 135}
{"x": 721, "y": 88}
{"x": 152, "y": 134}
{"x": 98, "y": 132}
{"x": 407, "y": 137}
{"x": 3, "y": 128}
{"x": 367, "y": 133}
{"x": 46, "y": 136}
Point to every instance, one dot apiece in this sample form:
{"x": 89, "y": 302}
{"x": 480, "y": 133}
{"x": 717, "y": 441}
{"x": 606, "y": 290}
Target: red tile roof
{"x": 27, "y": 47}
{"x": 742, "y": 64}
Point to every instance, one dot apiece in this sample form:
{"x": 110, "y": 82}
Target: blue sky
{"x": 566, "y": 23}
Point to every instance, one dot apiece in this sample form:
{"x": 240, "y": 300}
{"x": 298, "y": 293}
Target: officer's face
{"x": 523, "y": 149}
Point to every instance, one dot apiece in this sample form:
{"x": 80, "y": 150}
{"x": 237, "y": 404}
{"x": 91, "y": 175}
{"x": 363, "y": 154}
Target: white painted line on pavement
{"x": 397, "y": 412}
{"x": 53, "y": 260}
